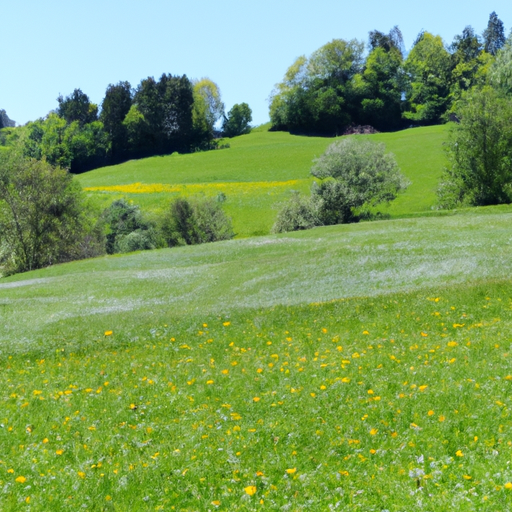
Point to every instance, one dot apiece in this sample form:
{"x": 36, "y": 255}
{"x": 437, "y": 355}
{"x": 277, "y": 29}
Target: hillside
{"x": 258, "y": 171}
{"x": 254, "y": 374}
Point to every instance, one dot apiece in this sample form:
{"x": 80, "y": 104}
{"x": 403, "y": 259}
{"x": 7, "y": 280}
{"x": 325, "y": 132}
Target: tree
{"x": 208, "y": 109}
{"x": 77, "y": 107}
{"x": 428, "y": 66}
{"x": 380, "y": 87}
{"x": 359, "y": 173}
{"x": 316, "y": 93}
{"x": 115, "y": 107}
{"x": 479, "y": 152}
{"x": 388, "y": 42}
{"x": 500, "y": 72}
{"x": 166, "y": 107}
{"x": 5, "y": 122}
{"x": 238, "y": 120}
{"x": 42, "y": 216}
{"x": 494, "y": 35}
{"x": 467, "y": 62}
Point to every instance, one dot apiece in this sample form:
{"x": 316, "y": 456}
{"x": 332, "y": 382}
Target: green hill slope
{"x": 258, "y": 171}
{"x": 261, "y": 373}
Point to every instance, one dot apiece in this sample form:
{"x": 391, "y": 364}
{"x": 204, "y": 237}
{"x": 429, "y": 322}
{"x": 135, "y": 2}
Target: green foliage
{"x": 364, "y": 173}
{"x": 468, "y": 63}
{"x": 480, "y": 152}
{"x": 298, "y": 213}
{"x": 500, "y": 72}
{"x": 238, "y": 120}
{"x": 315, "y": 95}
{"x": 494, "y": 35}
{"x": 127, "y": 229}
{"x": 195, "y": 221}
{"x": 380, "y": 86}
{"x": 5, "y": 122}
{"x": 42, "y": 216}
{"x": 166, "y": 106}
{"x": 428, "y": 66}
{"x": 208, "y": 109}
{"x": 114, "y": 109}
{"x": 77, "y": 107}
{"x": 331, "y": 203}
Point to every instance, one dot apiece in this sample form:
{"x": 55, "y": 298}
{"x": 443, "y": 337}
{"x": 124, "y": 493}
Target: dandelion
{"x": 216, "y": 503}
{"x": 59, "y": 452}
{"x": 430, "y": 413}
{"x": 508, "y": 486}
{"x": 441, "y": 418}
{"x": 373, "y": 431}
{"x": 424, "y": 334}
{"x": 250, "y": 490}
{"x": 291, "y": 471}
{"x": 225, "y": 324}
{"x": 466, "y": 477}
{"x": 21, "y": 479}
{"x": 108, "y": 333}
{"x": 459, "y": 453}
{"x": 209, "y": 382}
{"x": 256, "y": 399}
{"x": 81, "y": 474}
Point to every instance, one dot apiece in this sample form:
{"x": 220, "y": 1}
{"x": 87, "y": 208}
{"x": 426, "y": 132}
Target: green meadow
{"x": 258, "y": 172}
{"x": 357, "y": 367}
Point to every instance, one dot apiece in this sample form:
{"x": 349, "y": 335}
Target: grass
{"x": 261, "y": 157}
{"x": 360, "y": 367}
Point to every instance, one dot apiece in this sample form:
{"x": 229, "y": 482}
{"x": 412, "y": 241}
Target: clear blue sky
{"x": 54, "y": 46}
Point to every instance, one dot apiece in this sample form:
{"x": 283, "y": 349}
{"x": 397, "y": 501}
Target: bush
{"x": 127, "y": 230}
{"x": 357, "y": 173}
{"x": 196, "y": 221}
{"x": 296, "y": 214}
{"x": 331, "y": 203}
{"x": 364, "y": 173}
{"x": 139, "y": 240}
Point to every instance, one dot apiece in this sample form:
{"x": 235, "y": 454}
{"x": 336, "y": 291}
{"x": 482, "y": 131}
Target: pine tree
{"x": 494, "y": 35}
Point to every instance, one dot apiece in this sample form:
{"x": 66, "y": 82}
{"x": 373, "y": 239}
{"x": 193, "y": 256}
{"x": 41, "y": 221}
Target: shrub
{"x": 138, "y": 240}
{"x": 127, "y": 230}
{"x": 296, "y": 214}
{"x": 196, "y": 221}
{"x": 331, "y": 203}
{"x": 365, "y": 175}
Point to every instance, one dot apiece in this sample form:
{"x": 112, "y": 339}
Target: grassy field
{"x": 360, "y": 367}
{"x": 258, "y": 171}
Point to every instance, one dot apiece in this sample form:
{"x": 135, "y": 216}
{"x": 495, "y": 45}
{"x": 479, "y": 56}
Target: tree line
{"x": 160, "y": 116}
{"x": 337, "y": 86}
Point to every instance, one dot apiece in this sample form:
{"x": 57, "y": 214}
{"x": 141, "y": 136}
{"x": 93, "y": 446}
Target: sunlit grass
{"x": 258, "y": 172}
{"x": 398, "y": 402}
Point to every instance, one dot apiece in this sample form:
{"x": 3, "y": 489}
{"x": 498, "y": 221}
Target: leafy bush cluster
{"x": 355, "y": 174}
{"x": 45, "y": 219}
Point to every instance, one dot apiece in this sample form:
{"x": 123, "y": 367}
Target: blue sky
{"x": 52, "y": 47}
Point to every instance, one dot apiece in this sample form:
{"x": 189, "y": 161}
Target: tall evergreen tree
{"x": 494, "y": 35}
